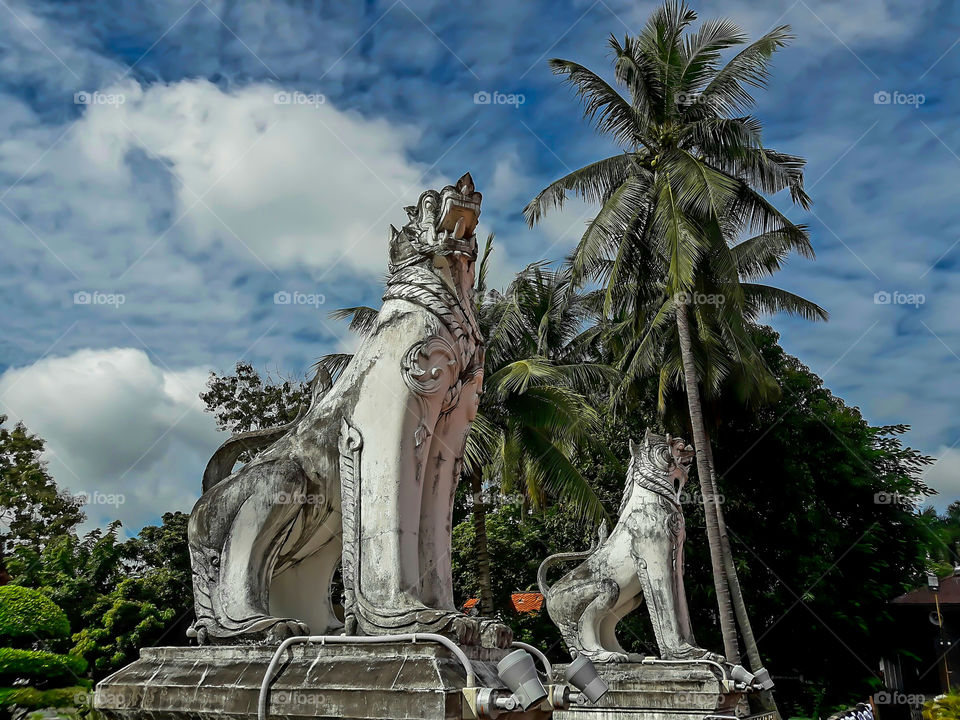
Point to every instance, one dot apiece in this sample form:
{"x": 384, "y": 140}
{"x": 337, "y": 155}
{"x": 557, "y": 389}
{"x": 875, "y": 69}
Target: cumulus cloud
{"x": 297, "y": 196}
{"x": 126, "y": 433}
{"x": 278, "y": 178}
{"x": 944, "y": 477}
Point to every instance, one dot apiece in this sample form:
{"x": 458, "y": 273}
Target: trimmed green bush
{"x": 28, "y": 613}
{"x": 943, "y": 707}
{"x": 16, "y": 664}
{"x": 33, "y": 699}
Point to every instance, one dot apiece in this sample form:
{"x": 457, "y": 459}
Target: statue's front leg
{"x": 657, "y": 548}
{"x": 236, "y": 532}
{"x": 442, "y": 474}
{"x": 444, "y": 465}
{"x": 404, "y": 388}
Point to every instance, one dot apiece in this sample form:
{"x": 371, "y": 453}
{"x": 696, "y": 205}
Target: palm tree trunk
{"x": 765, "y": 700}
{"x": 480, "y": 537}
{"x": 705, "y": 473}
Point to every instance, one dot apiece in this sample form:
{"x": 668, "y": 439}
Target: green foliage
{"x": 943, "y": 707}
{"x": 151, "y": 602}
{"x": 535, "y": 410}
{"x": 33, "y": 510}
{"x": 31, "y": 615}
{"x": 244, "y": 401}
{"x": 34, "y": 677}
{"x": 32, "y": 699}
{"x": 38, "y": 665}
{"x": 120, "y": 595}
{"x": 679, "y": 203}
{"x": 820, "y": 508}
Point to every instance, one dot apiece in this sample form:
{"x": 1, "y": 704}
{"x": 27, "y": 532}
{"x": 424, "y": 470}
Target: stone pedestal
{"x": 657, "y": 692}
{"x": 389, "y": 681}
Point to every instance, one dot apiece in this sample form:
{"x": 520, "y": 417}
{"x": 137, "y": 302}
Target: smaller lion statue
{"x": 642, "y": 559}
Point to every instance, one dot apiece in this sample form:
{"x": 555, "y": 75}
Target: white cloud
{"x": 115, "y": 424}
{"x": 944, "y": 477}
{"x": 277, "y": 184}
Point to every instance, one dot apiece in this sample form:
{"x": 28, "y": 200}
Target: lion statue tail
{"x": 568, "y": 557}
{"x": 225, "y": 457}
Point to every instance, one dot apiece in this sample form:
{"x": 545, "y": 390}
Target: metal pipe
{"x": 656, "y": 661}
{"x": 262, "y": 701}
{"x": 535, "y": 651}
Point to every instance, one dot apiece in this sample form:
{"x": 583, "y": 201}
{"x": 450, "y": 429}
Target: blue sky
{"x": 147, "y": 160}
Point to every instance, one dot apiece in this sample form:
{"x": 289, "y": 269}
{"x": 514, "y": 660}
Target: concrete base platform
{"x": 658, "y": 692}
{"x": 389, "y": 681}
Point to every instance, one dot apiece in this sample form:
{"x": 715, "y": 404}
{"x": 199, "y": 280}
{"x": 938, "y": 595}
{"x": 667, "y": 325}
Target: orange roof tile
{"x": 526, "y": 602}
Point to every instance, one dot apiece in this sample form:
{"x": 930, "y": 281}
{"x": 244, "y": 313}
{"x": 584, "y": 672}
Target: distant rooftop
{"x": 949, "y": 593}
{"x": 521, "y": 602}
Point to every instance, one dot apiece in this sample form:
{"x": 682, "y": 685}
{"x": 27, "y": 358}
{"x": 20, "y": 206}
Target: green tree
{"x": 31, "y": 676}
{"x": 822, "y": 509}
{"x": 33, "y": 510}
{"x": 688, "y": 185}
{"x": 149, "y": 602}
{"x": 945, "y": 534}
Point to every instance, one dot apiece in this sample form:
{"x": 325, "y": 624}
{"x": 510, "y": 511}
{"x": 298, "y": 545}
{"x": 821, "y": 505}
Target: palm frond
{"x": 603, "y": 105}
{"x": 363, "y": 319}
{"x": 593, "y": 183}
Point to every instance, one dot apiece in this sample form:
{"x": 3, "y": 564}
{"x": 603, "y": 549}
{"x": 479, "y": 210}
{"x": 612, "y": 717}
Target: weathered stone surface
{"x": 366, "y": 474}
{"x": 642, "y": 559}
{"x": 390, "y": 681}
{"x": 656, "y": 692}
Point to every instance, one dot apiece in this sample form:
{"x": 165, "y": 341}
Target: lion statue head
{"x": 442, "y": 223}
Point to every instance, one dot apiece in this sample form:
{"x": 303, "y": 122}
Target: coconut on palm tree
{"x": 667, "y": 244}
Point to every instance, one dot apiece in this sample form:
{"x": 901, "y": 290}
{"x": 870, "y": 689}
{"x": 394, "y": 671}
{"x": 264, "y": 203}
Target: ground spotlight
{"x": 582, "y": 674}
{"x": 740, "y": 674}
{"x": 519, "y": 673}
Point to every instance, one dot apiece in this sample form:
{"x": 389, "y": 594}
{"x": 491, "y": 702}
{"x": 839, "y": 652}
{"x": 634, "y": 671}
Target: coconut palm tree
{"x": 688, "y": 185}
{"x": 535, "y": 410}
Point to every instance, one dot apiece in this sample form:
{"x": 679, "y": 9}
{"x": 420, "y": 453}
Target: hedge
{"x": 28, "y": 697}
{"x": 16, "y": 664}
{"x": 28, "y": 613}
{"x": 943, "y": 707}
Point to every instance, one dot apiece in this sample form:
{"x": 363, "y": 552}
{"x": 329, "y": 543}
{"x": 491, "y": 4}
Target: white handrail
{"x": 263, "y": 699}
{"x": 535, "y": 651}
{"x": 656, "y": 661}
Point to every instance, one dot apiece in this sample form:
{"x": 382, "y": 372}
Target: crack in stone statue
{"x": 642, "y": 559}
{"x": 367, "y": 473}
